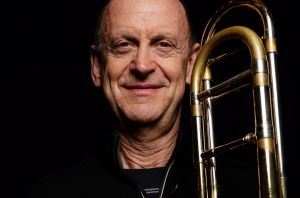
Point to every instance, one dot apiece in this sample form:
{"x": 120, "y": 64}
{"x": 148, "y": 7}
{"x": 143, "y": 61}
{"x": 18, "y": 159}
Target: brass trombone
{"x": 267, "y": 135}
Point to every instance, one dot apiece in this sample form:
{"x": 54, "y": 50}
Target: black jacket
{"x": 101, "y": 176}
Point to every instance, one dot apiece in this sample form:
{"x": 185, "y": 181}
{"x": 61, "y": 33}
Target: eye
{"x": 123, "y": 47}
{"x": 164, "y": 46}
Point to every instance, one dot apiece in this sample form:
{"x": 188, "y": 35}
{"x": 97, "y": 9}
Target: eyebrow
{"x": 153, "y": 37}
{"x": 163, "y": 37}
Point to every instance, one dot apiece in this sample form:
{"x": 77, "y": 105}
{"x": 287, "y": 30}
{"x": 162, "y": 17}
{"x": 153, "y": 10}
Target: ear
{"x": 192, "y": 58}
{"x": 95, "y": 67}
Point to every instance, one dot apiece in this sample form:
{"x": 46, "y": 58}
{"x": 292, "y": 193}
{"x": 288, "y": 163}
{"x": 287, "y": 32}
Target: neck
{"x": 145, "y": 151}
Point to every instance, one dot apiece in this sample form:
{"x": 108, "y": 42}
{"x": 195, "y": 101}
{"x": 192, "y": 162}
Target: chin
{"x": 142, "y": 117}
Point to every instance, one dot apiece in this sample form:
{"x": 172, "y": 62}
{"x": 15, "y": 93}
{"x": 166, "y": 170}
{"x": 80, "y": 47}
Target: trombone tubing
{"x": 267, "y": 173}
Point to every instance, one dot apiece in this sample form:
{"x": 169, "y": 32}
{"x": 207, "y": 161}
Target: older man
{"x": 142, "y": 58}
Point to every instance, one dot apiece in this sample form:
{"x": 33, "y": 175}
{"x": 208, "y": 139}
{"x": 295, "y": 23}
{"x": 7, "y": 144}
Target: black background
{"x": 51, "y": 112}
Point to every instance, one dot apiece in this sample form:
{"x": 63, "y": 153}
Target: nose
{"x": 143, "y": 62}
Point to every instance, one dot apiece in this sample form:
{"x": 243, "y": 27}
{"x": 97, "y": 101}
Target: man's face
{"x": 146, "y": 52}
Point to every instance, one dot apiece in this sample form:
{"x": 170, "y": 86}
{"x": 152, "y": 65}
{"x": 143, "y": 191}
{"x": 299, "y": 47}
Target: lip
{"x": 143, "y": 89}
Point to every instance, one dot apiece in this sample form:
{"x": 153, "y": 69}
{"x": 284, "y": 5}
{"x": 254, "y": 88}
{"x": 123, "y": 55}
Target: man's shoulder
{"x": 71, "y": 181}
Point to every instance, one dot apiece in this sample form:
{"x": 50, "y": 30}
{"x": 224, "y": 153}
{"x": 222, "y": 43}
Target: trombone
{"x": 267, "y": 135}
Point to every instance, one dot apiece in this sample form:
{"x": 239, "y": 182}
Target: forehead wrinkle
{"x": 177, "y": 16}
{"x": 153, "y": 8}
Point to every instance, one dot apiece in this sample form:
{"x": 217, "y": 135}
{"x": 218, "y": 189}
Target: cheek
{"x": 176, "y": 76}
{"x": 114, "y": 69}
{"x": 177, "y": 71}
{"x": 110, "y": 75}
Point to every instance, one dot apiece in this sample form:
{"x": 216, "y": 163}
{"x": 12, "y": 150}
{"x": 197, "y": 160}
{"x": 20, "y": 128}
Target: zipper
{"x": 165, "y": 180}
{"x": 116, "y": 148}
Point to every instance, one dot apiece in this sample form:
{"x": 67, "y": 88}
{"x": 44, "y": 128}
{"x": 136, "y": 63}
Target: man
{"x": 147, "y": 61}
{"x": 142, "y": 58}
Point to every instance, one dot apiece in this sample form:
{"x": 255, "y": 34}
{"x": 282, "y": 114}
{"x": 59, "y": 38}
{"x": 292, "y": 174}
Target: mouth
{"x": 143, "y": 89}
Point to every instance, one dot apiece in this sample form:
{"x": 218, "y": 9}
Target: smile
{"x": 141, "y": 89}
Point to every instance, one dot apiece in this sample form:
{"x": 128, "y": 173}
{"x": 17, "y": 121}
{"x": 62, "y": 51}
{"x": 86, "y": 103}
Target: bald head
{"x": 169, "y": 12}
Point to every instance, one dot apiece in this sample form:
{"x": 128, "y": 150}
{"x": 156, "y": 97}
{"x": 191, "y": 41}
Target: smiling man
{"x": 147, "y": 62}
{"x": 142, "y": 59}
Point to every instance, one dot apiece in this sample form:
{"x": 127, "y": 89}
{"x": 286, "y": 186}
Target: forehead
{"x": 146, "y": 14}
{"x": 167, "y": 6}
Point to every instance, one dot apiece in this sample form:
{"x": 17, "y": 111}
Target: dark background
{"x": 52, "y": 114}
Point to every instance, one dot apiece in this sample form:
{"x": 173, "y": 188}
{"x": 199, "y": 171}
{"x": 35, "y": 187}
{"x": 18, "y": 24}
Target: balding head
{"x": 172, "y": 9}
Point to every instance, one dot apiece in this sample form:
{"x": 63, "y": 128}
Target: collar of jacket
{"x": 179, "y": 177}
{"x": 182, "y": 151}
